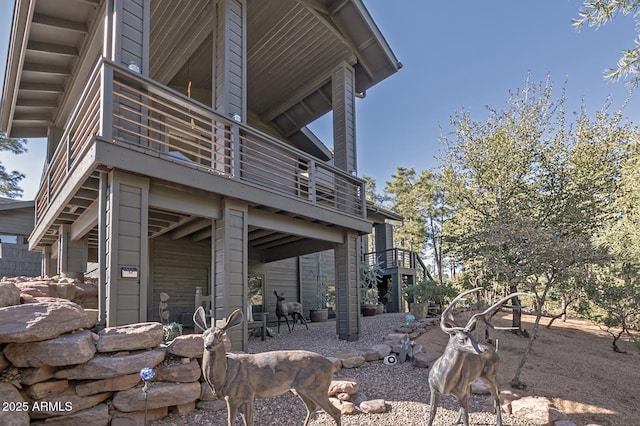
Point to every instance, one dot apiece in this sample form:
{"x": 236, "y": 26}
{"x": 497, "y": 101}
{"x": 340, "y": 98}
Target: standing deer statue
{"x": 283, "y": 309}
{"x": 240, "y": 378}
{"x": 464, "y": 360}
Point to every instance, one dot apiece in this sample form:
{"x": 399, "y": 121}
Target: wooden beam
{"x": 85, "y": 222}
{"x": 288, "y": 225}
{"x": 60, "y": 23}
{"x": 190, "y": 229}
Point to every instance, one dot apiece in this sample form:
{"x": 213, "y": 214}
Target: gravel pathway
{"x": 403, "y": 387}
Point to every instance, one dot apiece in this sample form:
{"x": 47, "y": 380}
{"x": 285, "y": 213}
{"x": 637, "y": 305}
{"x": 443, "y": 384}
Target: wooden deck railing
{"x": 130, "y": 110}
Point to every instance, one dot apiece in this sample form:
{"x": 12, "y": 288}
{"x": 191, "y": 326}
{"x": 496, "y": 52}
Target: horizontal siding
{"x": 177, "y": 268}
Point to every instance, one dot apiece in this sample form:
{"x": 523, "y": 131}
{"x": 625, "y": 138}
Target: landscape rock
{"x": 537, "y": 409}
{"x": 393, "y": 338}
{"x": 47, "y": 389}
{"x": 111, "y": 384}
{"x": 214, "y": 405}
{"x": 65, "y": 403}
{"x": 34, "y": 322}
{"x": 10, "y": 395}
{"x": 206, "y": 393}
{"x": 184, "y": 409}
{"x": 353, "y": 362}
{"x": 342, "y": 386}
{"x": 30, "y": 376}
{"x": 188, "y": 346}
{"x": 94, "y": 416}
{"x": 373, "y": 406}
{"x": 383, "y": 350}
{"x": 160, "y": 394}
{"x": 136, "y": 418}
{"x": 130, "y": 337}
{"x": 479, "y": 387}
{"x": 9, "y": 294}
{"x": 3, "y": 362}
{"x": 69, "y": 349}
{"x": 103, "y": 367}
{"x": 179, "y": 372}
{"x": 369, "y": 354}
{"x": 424, "y": 360}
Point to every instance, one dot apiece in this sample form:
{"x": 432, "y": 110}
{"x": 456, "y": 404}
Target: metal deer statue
{"x": 240, "y": 378}
{"x": 464, "y": 360}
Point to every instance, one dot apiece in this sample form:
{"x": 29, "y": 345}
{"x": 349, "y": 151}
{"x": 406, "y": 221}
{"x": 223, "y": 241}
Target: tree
{"x": 528, "y": 190}
{"x": 616, "y": 291}
{"x": 406, "y": 196}
{"x": 9, "y": 179}
{"x": 596, "y": 13}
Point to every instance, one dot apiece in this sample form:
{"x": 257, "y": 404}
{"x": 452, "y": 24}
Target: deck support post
{"x": 348, "y": 288}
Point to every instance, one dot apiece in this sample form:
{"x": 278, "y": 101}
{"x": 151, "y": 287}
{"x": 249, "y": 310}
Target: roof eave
{"x": 22, "y": 13}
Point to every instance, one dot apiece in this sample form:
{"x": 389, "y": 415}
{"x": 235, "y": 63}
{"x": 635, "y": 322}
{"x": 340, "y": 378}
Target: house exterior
{"x": 178, "y": 152}
{"x": 16, "y": 224}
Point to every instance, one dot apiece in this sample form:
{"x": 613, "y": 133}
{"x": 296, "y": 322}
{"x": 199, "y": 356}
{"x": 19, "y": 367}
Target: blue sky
{"x": 456, "y": 54}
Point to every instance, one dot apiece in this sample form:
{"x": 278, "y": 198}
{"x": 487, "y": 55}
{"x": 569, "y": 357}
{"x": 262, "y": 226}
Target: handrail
{"x": 134, "y": 111}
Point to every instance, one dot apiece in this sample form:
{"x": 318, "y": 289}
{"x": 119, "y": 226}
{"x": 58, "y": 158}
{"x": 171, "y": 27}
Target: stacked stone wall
{"x": 56, "y": 368}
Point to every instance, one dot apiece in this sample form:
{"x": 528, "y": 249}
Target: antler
{"x": 471, "y": 324}
{"x": 447, "y": 315}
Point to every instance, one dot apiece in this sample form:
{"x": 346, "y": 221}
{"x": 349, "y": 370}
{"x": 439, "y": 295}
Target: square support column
{"x": 230, "y": 260}
{"x": 72, "y": 255}
{"x": 348, "y": 288}
{"x": 126, "y": 249}
{"x": 344, "y": 118}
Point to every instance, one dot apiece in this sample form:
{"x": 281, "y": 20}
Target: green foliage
{"x": 9, "y": 180}
{"x": 596, "y": 13}
{"x": 428, "y": 290}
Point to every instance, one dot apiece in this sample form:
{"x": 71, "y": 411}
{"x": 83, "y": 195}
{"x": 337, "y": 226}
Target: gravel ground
{"x": 403, "y": 387}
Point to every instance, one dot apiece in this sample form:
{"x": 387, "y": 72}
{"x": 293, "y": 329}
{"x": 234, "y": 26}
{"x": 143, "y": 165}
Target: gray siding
{"x": 229, "y": 58}
{"x": 177, "y": 268}
{"x": 344, "y": 133}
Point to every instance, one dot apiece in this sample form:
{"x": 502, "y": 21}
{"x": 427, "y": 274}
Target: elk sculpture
{"x": 239, "y": 378}
{"x": 464, "y": 360}
{"x": 283, "y": 309}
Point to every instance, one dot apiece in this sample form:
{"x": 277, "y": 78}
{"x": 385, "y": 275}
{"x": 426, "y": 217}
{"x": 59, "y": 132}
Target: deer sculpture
{"x": 239, "y": 378}
{"x": 464, "y": 360}
{"x": 284, "y": 309}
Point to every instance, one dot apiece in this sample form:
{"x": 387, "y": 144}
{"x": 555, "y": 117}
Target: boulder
{"x": 103, "y": 367}
{"x": 136, "y": 418}
{"x": 33, "y": 322}
{"x": 108, "y": 385}
{"x": 130, "y": 337}
{"x": 537, "y": 409}
{"x": 65, "y": 403}
{"x": 373, "y": 406}
{"x": 342, "y": 386}
{"x": 3, "y": 362}
{"x": 479, "y": 387}
{"x": 47, "y": 389}
{"x": 369, "y": 354}
{"x": 160, "y": 394}
{"x": 353, "y": 362}
{"x": 17, "y": 409}
{"x": 214, "y": 405}
{"x": 393, "y": 338}
{"x": 182, "y": 373}
{"x": 424, "y": 360}
{"x": 188, "y": 346}
{"x": 98, "y": 416}
{"x": 30, "y": 376}
{"x": 383, "y": 350}
{"x": 184, "y": 409}
{"x": 206, "y": 393}
{"x": 69, "y": 349}
{"x": 9, "y": 294}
